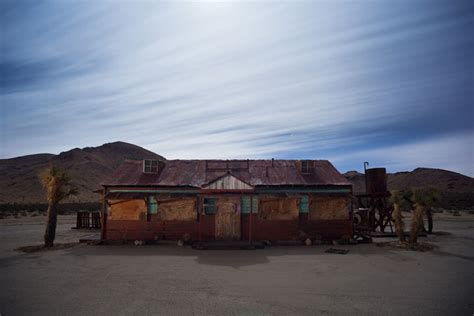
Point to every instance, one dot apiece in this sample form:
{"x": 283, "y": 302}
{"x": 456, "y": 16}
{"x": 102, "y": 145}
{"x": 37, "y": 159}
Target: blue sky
{"x": 389, "y": 82}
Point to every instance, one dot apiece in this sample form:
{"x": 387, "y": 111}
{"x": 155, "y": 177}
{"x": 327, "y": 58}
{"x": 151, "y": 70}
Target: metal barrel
{"x": 376, "y": 180}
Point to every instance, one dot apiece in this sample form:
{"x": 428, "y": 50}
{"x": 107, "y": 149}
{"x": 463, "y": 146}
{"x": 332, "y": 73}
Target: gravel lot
{"x": 292, "y": 280}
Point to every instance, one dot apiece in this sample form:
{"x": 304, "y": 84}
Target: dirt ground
{"x": 291, "y": 280}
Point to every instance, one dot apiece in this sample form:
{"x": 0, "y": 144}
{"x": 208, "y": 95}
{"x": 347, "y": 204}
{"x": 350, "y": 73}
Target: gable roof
{"x": 199, "y": 173}
{"x": 228, "y": 182}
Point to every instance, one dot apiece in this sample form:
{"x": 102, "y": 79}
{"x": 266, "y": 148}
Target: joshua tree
{"x": 55, "y": 183}
{"x": 396, "y": 199}
{"x": 424, "y": 199}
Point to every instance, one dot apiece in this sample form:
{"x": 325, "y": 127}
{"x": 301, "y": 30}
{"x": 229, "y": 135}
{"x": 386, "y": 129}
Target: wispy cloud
{"x": 232, "y": 80}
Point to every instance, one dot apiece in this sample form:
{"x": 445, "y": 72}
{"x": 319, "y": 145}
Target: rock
{"x": 187, "y": 239}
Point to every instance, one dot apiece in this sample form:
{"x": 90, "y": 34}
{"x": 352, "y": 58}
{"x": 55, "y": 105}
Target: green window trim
{"x": 152, "y": 205}
{"x": 209, "y": 206}
{"x": 304, "y": 204}
{"x": 245, "y": 204}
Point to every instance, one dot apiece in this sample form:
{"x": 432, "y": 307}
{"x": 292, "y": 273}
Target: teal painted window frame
{"x": 245, "y": 204}
{"x": 304, "y": 204}
{"x": 209, "y": 206}
{"x": 152, "y": 205}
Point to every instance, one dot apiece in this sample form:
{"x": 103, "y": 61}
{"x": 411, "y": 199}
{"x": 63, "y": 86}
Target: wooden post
{"x": 199, "y": 217}
{"x": 250, "y": 219}
{"x": 104, "y": 215}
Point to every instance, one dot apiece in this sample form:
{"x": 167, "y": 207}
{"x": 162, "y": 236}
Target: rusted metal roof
{"x": 198, "y": 173}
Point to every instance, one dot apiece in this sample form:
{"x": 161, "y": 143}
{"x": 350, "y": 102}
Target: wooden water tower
{"x": 375, "y": 199}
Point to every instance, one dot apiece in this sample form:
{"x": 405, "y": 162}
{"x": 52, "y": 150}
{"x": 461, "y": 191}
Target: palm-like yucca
{"x": 424, "y": 199}
{"x": 396, "y": 198}
{"x": 55, "y": 183}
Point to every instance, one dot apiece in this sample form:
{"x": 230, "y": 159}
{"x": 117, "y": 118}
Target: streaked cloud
{"x": 241, "y": 79}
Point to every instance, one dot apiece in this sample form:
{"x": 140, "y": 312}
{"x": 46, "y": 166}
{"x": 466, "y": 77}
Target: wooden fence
{"x": 89, "y": 220}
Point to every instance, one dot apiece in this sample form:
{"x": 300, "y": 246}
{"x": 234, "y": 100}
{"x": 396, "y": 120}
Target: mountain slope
{"x": 87, "y": 167}
{"x": 457, "y": 190}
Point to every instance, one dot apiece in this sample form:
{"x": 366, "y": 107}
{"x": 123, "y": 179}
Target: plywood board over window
{"x": 127, "y": 210}
{"x": 228, "y": 218}
{"x": 177, "y": 210}
{"x": 329, "y": 207}
{"x": 278, "y": 208}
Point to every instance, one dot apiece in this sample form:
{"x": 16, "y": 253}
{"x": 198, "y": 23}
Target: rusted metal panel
{"x": 376, "y": 180}
{"x": 249, "y": 220}
{"x": 208, "y": 227}
{"x": 155, "y": 230}
{"x": 196, "y": 173}
{"x": 276, "y": 230}
{"x": 327, "y": 229}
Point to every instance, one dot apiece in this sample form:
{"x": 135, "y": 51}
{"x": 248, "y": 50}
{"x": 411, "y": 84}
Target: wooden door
{"x": 228, "y": 219}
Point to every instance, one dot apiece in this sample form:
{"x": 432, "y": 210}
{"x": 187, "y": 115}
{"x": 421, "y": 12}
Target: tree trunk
{"x": 416, "y": 222}
{"x": 399, "y": 225}
{"x": 429, "y": 215}
{"x": 50, "y": 232}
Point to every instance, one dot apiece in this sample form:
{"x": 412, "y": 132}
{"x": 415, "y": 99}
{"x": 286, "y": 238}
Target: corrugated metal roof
{"x": 198, "y": 173}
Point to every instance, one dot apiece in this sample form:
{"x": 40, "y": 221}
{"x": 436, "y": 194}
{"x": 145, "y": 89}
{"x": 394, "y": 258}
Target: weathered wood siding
{"x": 228, "y": 218}
{"x": 278, "y": 218}
{"x": 229, "y": 182}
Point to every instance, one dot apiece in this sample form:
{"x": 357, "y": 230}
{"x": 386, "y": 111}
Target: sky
{"x": 389, "y": 82}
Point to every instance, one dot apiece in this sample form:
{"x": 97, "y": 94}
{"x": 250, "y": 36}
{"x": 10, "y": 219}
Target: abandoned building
{"x": 205, "y": 200}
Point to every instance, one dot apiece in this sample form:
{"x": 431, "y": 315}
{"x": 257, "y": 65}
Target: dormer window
{"x": 150, "y": 166}
{"x": 305, "y": 166}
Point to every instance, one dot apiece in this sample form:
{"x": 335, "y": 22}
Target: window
{"x": 209, "y": 206}
{"x": 304, "y": 204}
{"x": 305, "y": 166}
{"x": 245, "y": 204}
{"x": 150, "y": 166}
{"x": 152, "y": 206}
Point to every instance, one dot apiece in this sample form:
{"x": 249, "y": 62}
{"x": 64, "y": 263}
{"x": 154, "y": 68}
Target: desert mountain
{"x": 19, "y": 181}
{"x": 457, "y": 190}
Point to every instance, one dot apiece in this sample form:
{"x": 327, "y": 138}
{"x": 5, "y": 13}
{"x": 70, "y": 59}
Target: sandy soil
{"x": 278, "y": 280}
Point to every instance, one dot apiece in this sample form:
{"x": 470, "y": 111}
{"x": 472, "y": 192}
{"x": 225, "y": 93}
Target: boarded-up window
{"x": 304, "y": 204}
{"x": 278, "y": 208}
{"x": 183, "y": 209}
{"x": 209, "y": 205}
{"x": 127, "y": 210}
{"x": 329, "y": 207}
{"x": 245, "y": 204}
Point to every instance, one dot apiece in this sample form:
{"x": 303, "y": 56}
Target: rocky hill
{"x": 457, "y": 190}
{"x": 19, "y": 181}
{"x": 88, "y": 166}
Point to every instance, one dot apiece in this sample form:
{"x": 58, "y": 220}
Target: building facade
{"x": 204, "y": 200}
